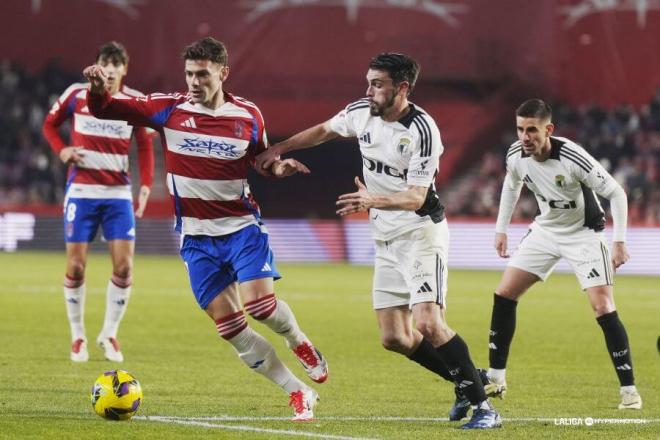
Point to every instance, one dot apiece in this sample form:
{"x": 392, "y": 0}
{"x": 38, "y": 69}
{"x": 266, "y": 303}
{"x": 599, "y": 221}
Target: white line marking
{"x": 183, "y": 421}
{"x": 229, "y": 418}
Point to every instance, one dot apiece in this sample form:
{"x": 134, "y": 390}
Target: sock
{"x": 496, "y": 375}
{"x": 256, "y": 352}
{"x": 74, "y": 299}
{"x": 456, "y": 356}
{"x": 277, "y": 315}
{"x": 616, "y": 340}
{"x": 502, "y": 327}
{"x": 427, "y": 356}
{"x": 119, "y": 290}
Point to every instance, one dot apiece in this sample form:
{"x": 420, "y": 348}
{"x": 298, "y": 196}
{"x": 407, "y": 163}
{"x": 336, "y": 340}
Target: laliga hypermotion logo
{"x": 583, "y": 8}
{"x": 445, "y": 11}
{"x": 208, "y": 146}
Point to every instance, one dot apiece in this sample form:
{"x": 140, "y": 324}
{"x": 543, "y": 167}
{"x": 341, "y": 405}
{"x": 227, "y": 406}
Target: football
{"x": 116, "y": 395}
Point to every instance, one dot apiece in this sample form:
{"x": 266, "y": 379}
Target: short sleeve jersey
{"x": 395, "y": 156}
{"x": 565, "y": 186}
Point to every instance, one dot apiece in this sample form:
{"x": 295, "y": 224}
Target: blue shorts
{"x": 82, "y": 218}
{"x": 214, "y": 263}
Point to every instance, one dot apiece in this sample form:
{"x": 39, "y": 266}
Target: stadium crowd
{"x": 626, "y": 141}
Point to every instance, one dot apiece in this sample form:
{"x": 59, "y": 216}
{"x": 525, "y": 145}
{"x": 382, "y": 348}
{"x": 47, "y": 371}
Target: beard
{"x": 379, "y": 110}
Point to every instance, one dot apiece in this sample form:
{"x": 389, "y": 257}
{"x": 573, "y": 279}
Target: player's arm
{"x": 308, "y": 138}
{"x": 141, "y": 112}
{"x": 362, "y": 200}
{"x": 62, "y": 110}
{"x": 508, "y": 198}
{"x": 144, "y": 139}
{"x": 607, "y": 187}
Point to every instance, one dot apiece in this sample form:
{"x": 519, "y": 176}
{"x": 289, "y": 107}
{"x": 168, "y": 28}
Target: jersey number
{"x": 70, "y": 212}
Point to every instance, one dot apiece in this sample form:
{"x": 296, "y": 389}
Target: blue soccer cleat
{"x": 484, "y": 419}
{"x": 461, "y": 405}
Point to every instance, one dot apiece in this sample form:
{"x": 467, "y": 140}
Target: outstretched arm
{"x": 310, "y": 137}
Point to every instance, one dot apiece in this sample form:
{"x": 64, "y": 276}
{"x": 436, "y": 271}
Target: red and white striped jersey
{"x": 104, "y": 171}
{"x": 207, "y": 152}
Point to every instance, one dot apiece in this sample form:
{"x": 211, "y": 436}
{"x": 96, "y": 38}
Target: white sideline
{"x": 193, "y": 422}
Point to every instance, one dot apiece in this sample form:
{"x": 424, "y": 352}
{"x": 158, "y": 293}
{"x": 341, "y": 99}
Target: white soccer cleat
{"x": 630, "y": 400}
{"x": 313, "y": 361}
{"x": 303, "y": 403}
{"x": 110, "y": 348}
{"x": 494, "y": 388}
{"x": 79, "y": 350}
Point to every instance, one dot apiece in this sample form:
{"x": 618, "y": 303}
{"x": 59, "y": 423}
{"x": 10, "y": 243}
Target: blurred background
{"x": 301, "y": 61}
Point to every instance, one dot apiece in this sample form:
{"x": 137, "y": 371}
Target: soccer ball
{"x": 116, "y": 395}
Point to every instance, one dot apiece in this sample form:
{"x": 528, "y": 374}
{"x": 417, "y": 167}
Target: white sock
{"x": 497, "y": 376}
{"x": 257, "y": 353}
{"x": 115, "y": 305}
{"x": 629, "y": 389}
{"x": 74, "y": 299}
{"x": 277, "y": 315}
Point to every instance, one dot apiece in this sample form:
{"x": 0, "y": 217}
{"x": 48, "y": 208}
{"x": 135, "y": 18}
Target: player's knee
{"x": 123, "y": 269}
{"x": 603, "y": 308}
{"x": 76, "y": 269}
{"x": 396, "y": 343}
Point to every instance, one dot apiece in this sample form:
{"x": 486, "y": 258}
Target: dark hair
{"x": 400, "y": 67}
{"x": 114, "y": 52}
{"x": 206, "y": 49}
{"x": 534, "y": 108}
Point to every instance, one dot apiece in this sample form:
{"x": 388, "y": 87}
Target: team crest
{"x": 239, "y": 129}
{"x": 402, "y": 148}
{"x": 559, "y": 180}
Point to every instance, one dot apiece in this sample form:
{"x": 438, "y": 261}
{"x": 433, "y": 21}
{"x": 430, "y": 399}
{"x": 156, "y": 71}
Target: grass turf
{"x": 558, "y": 368}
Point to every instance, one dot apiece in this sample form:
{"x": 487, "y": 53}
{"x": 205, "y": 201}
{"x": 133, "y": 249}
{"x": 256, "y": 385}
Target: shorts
{"x": 412, "y": 268}
{"x": 214, "y": 263}
{"x": 585, "y": 251}
{"x": 82, "y": 218}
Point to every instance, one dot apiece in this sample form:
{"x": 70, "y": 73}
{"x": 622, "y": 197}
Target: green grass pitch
{"x": 559, "y": 367}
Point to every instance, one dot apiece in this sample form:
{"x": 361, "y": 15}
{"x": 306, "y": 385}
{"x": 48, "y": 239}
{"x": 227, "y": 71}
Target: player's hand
{"x": 288, "y": 167}
{"x": 96, "y": 77}
{"x": 501, "y": 245}
{"x": 619, "y": 254}
{"x": 355, "y": 202}
{"x": 143, "y": 197}
{"x": 74, "y": 155}
{"x": 265, "y": 160}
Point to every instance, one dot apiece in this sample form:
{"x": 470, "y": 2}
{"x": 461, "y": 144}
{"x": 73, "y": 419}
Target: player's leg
{"x": 256, "y": 272}
{"x": 118, "y": 293}
{"x": 119, "y": 230}
{"x": 81, "y": 222}
{"x": 590, "y": 259}
{"x": 213, "y": 284}
{"x": 534, "y": 260}
{"x": 74, "y": 298}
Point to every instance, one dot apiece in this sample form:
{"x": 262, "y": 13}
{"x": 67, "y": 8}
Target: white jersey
{"x": 565, "y": 187}
{"x": 395, "y": 156}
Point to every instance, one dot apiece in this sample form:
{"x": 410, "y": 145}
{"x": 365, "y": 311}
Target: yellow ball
{"x": 116, "y": 395}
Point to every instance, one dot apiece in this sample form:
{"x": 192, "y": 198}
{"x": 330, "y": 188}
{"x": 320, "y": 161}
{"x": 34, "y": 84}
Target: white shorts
{"x": 412, "y": 268}
{"x": 586, "y": 252}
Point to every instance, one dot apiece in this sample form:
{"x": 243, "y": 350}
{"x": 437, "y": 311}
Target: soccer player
{"x": 211, "y": 138}
{"x": 98, "y": 193}
{"x": 565, "y": 180}
{"x": 400, "y": 146}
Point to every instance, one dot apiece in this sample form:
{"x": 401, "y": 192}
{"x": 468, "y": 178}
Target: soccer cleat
{"x": 79, "y": 350}
{"x": 461, "y": 405}
{"x": 313, "y": 361}
{"x": 483, "y": 419}
{"x": 303, "y": 403}
{"x": 630, "y": 400}
{"x": 110, "y": 348}
{"x": 493, "y": 387}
